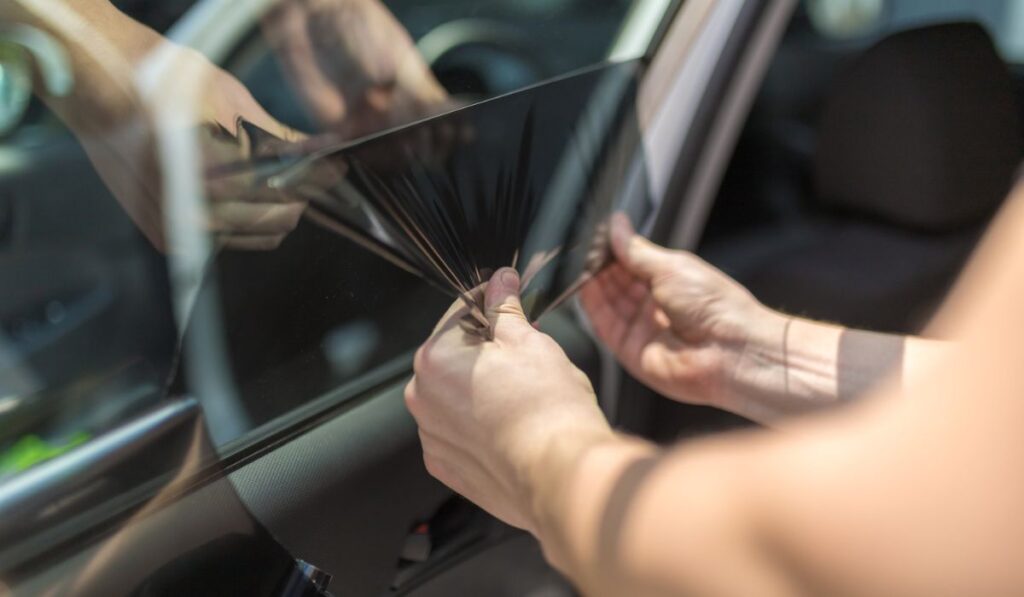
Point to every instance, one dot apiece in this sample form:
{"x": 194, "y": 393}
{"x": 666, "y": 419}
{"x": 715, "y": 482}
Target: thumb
{"x": 501, "y": 302}
{"x": 640, "y": 256}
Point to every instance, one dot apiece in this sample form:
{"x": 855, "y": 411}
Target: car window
{"x": 319, "y": 313}
{"x": 472, "y": 49}
{"x": 94, "y": 324}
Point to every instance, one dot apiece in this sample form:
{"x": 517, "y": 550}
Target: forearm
{"x": 788, "y": 366}
{"x": 795, "y": 365}
{"x": 853, "y": 503}
{"x": 571, "y": 487}
{"x": 102, "y": 47}
{"x": 622, "y": 517}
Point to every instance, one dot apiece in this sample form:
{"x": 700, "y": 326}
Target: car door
{"x": 274, "y": 429}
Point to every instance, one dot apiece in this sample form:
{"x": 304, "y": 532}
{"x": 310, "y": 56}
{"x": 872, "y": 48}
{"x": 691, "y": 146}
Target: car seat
{"x": 917, "y": 144}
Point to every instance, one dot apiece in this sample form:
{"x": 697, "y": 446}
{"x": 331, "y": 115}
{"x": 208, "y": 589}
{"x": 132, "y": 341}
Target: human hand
{"x": 118, "y": 134}
{"x": 242, "y": 213}
{"x": 110, "y": 109}
{"x": 676, "y": 323}
{"x": 353, "y": 64}
{"x": 491, "y": 413}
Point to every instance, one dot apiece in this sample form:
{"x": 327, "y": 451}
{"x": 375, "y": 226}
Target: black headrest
{"x": 923, "y": 130}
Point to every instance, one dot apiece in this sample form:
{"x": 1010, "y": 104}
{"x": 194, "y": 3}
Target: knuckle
{"x": 420, "y": 360}
{"x": 583, "y": 380}
{"x": 409, "y": 394}
{"x": 544, "y": 343}
{"x": 430, "y": 463}
{"x": 427, "y": 445}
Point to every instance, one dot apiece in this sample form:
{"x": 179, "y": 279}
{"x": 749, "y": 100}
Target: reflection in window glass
{"x": 846, "y": 18}
{"x": 321, "y": 311}
{"x": 89, "y": 337}
{"x": 353, "y": 67}
{"x": 857, "y": 19}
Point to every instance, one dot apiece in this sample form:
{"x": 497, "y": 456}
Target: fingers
{"x": 256, "y": 219}
{"x": 623, "y": 292}
{"x": 501, "y": 304}
{"x": 640, "y": 332}
{"x": 502, "y": 308}
{"x": 240, "y": 100}
{"x": 608, "y": 325}
{"x": 245, "y": 226}
{"x": 640, "y": 256}
{"x": 264, "y": 242}
{"x": 614, "y": 301}
{"x": 458, "y": 310}
{"x": 621, "y": 283}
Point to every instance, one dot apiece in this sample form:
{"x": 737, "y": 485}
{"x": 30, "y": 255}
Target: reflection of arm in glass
{"x": 353, "y": 65}
{"x": 351, "y": 62}
{"x": 105, "y": 111}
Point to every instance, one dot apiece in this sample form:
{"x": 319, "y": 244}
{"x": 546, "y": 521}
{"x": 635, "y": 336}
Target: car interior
{"x": 864, "y": 176}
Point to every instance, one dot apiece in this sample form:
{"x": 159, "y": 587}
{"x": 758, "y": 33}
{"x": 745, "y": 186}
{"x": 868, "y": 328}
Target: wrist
{"x": 756, "y": 367}
{"x": 578, "y": 474}
{"x": 788, "y": 366}
{"x": 552, "y": 468}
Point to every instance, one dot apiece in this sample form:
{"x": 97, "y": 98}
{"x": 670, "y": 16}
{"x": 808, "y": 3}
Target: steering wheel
{"x": 477, "y": 58}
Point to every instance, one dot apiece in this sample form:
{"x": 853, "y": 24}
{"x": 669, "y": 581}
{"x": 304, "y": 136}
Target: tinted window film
{"x": 322, "y": 310}
{"x": 92, "y": 315}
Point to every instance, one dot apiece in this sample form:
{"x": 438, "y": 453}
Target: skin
{"x": 684, "y": 328}
{"x": 382, "y": 82}
{"x": 349, "y": 60}
{"x": 915, "y": 490}
{"x": 108, "y": 113}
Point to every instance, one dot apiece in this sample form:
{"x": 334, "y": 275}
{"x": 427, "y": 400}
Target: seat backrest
{"x": 922, "y": 131}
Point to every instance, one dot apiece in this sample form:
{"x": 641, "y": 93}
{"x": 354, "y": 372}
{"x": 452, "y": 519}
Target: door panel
{"x": 345, "y": 495}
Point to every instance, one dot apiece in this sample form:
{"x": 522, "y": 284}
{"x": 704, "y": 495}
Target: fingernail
{"x": 509, "y": 278}
{"x": 620, "y": 230}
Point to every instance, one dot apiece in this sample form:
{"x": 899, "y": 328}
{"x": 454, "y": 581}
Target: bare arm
{"x": 107, "y": 110}
{"x": 689, "y": 331}
{"x": 102, "y": 46}
{"x": 808, "y": 365}
{"x": 916, "y": 496}
{"x": 353, "y": 65}
{"x": 897, "y": 497}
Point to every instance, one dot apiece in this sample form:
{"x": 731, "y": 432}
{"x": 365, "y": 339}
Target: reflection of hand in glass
{"x": 106, "y": 112}
{"x": 353, "y": 64}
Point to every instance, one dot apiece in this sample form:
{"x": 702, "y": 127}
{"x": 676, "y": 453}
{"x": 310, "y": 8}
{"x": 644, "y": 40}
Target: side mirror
{"x": 15, "y": 86}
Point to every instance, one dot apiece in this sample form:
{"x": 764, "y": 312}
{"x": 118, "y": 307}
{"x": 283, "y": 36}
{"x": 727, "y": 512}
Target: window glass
{"x": 413, "y": 59}
{"x": 92, "y": 318}
{"x": 846, "y": 19}
{"x": 319, "y": 311}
